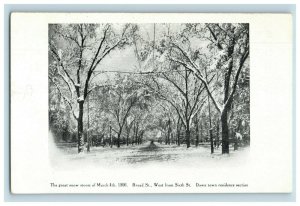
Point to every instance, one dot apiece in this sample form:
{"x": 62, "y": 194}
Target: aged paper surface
{"x": 38, "y": 165}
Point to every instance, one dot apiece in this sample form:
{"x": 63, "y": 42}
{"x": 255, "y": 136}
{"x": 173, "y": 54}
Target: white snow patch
{"x": 60, "y": 52}
{"x": 80, "y": 99}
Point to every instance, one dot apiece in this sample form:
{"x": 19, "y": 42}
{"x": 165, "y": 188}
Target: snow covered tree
{"x": 75, "y": 52}
{"x": 228, "y": 51}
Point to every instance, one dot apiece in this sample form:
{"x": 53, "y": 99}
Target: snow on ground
{"x": 146, "y": 154}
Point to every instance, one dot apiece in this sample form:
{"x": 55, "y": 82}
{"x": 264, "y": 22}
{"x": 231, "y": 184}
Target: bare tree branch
{"x": 214, "y": 36}
{"x": 242, "y": 61}
{"x": 65, "y": 98}
{"x": 62, "y": 66}
{"x": 218, "y": 107}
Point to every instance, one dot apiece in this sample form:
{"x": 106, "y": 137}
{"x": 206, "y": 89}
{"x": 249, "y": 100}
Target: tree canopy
{"x": 122, "y": 84}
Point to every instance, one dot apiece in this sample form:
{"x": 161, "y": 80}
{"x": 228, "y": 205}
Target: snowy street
{"x": 147, "y": 153}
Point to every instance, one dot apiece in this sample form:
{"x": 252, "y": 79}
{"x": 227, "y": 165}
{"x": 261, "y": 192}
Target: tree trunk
{"x": 141, "y": 137}
{"x": 224, "y": 118}
{"x": 235, "y": 144}
{"x": 110, "y": 137}
{"x": 225, "y": 136}
{"x": 127, "y": 138}
{"x": 201, "y": 131}
{"x": 166, "y": 139}
{"x": 80, "y": 129}
{"x": 88, "y": 138}
{"x": 136, "y": 134}
{"x": 133, "y": 134}
{"x": 187, "y": 136}
{"x": 178, "y": 134}
{"x": 169, "y": 131}
{"x": 210, "y": 127}
{"x": 211, "y": 141}
{"x": 197, "y": 130}
{"x": 118, "y": 140}
{"x": 217, "y": 135}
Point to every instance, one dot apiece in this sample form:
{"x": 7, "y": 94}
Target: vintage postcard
{"x": 151, "y": 103}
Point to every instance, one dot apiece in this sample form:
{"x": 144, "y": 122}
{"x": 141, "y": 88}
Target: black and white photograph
{"x": 142, "y": 103}
{"x": 139, "y": 93}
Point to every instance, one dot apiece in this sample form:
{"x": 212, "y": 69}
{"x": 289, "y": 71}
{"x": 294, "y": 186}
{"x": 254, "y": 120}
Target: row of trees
{"x": 190, "y": 83}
